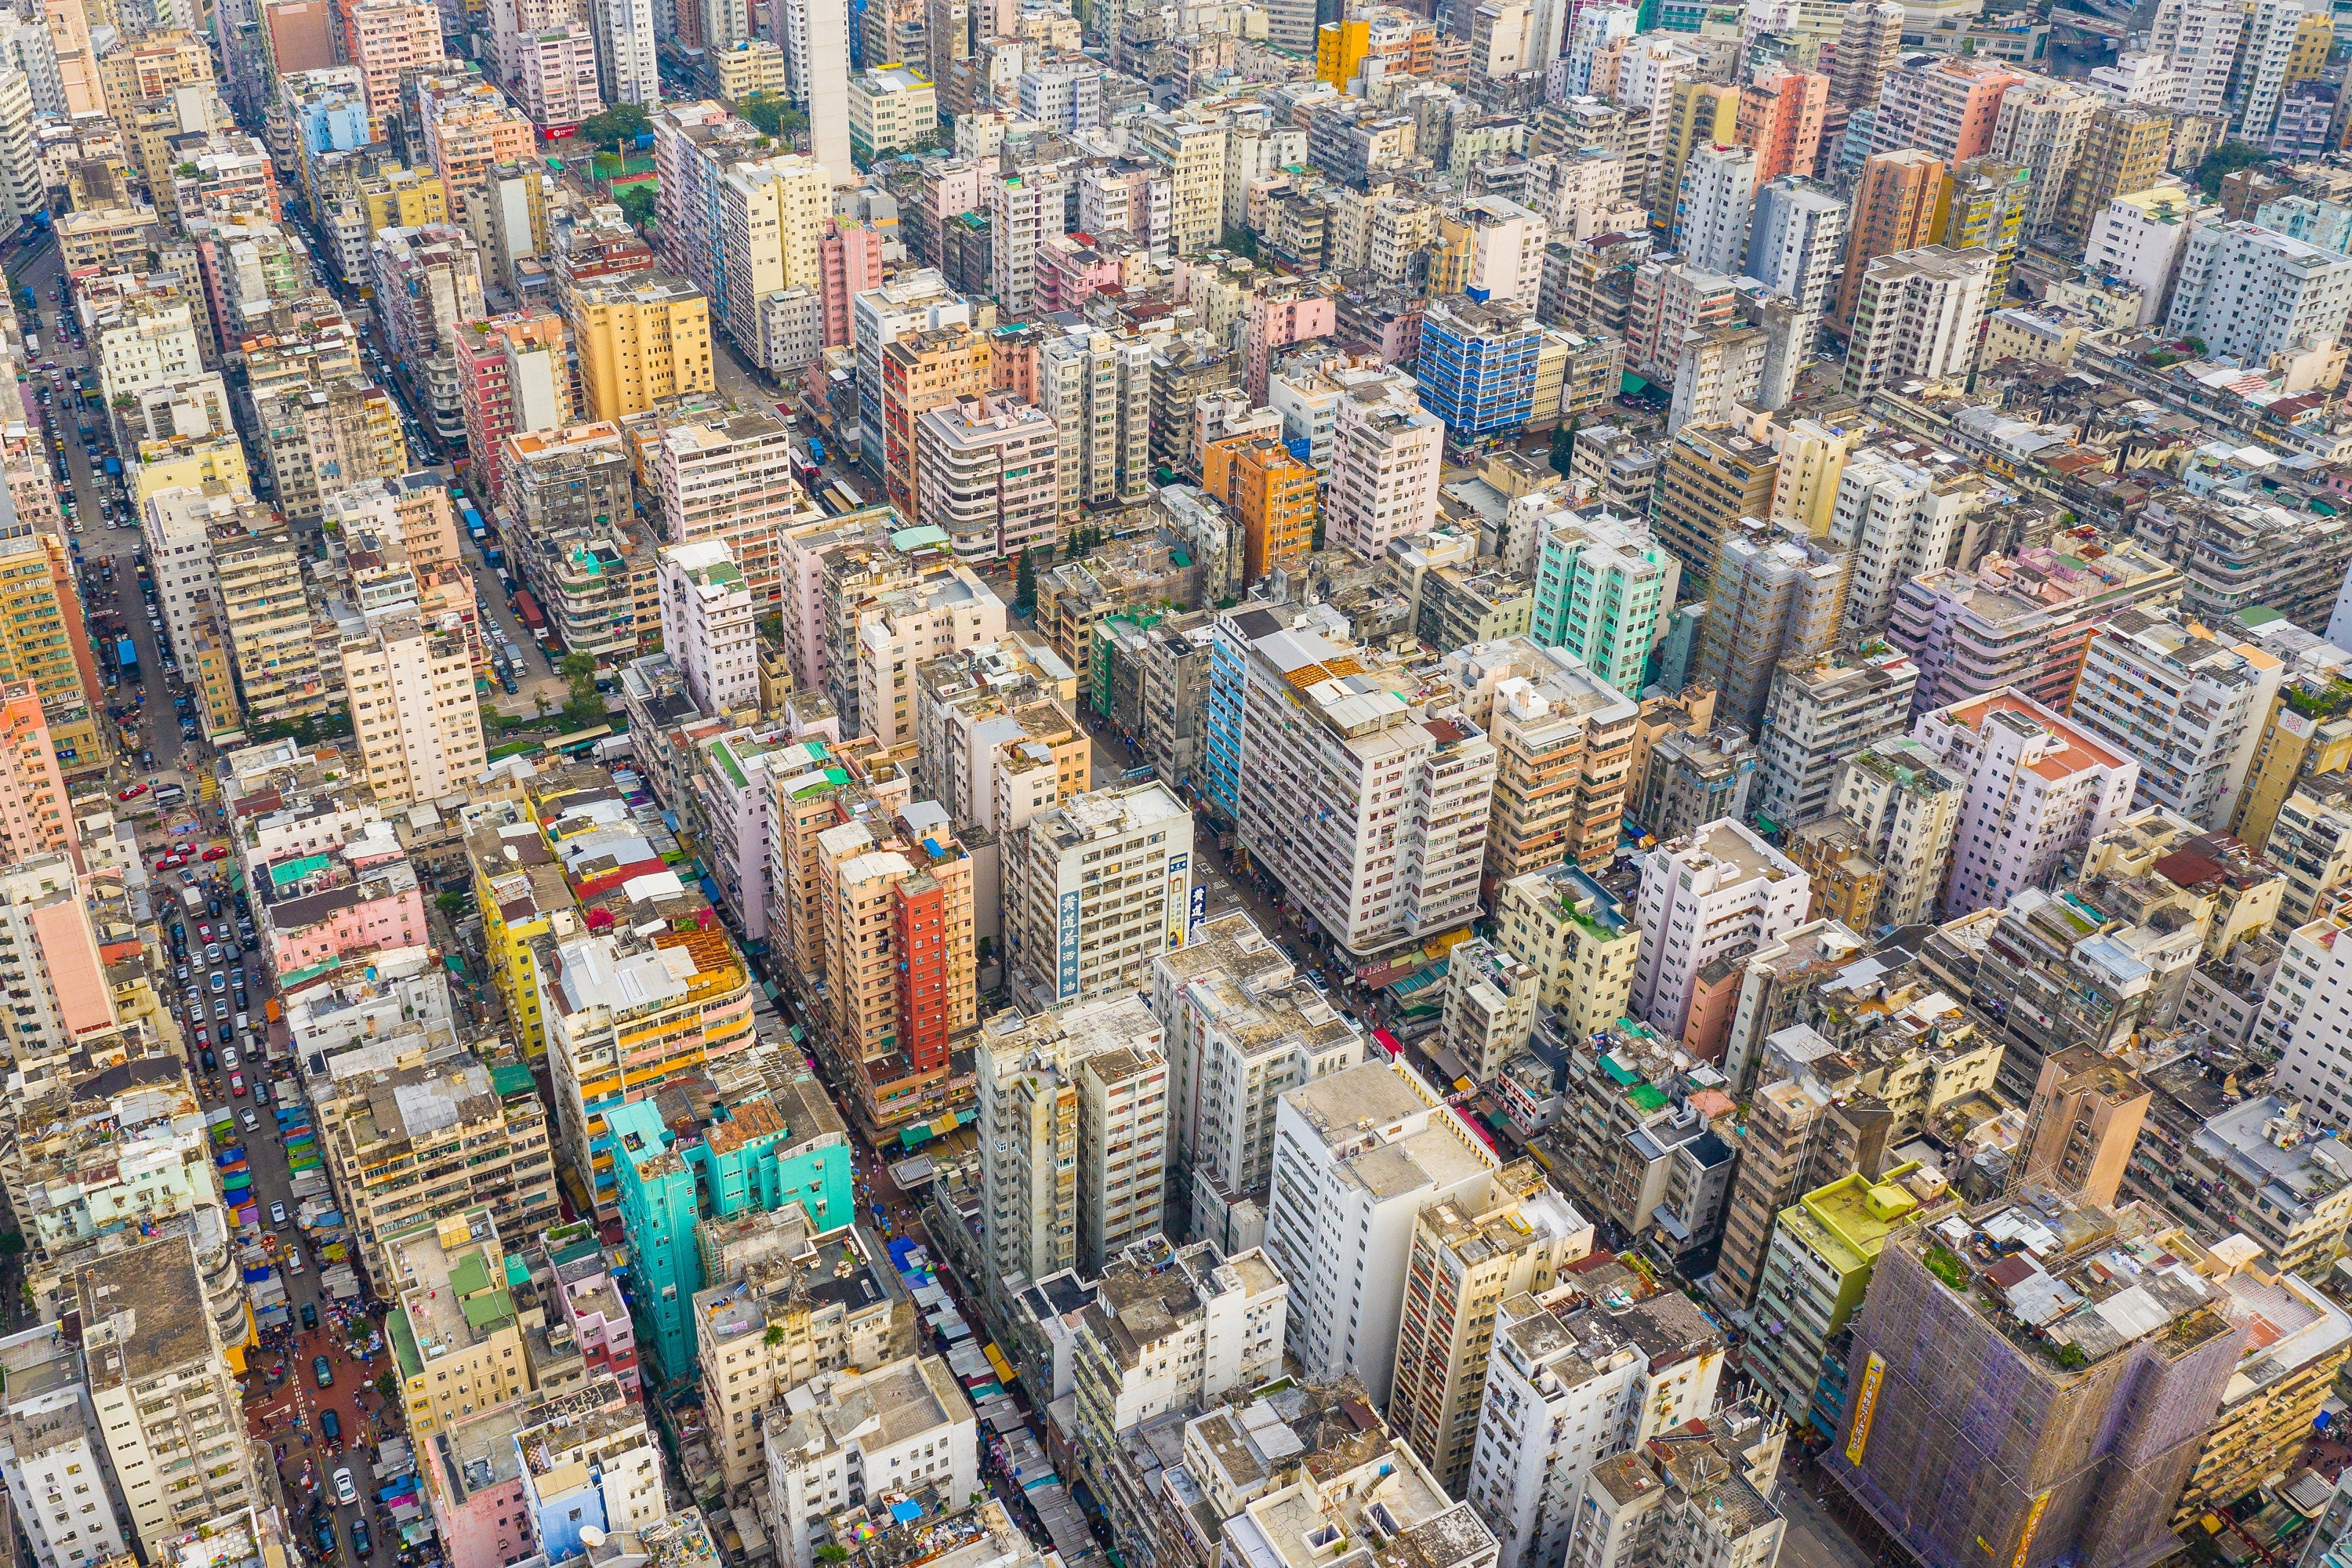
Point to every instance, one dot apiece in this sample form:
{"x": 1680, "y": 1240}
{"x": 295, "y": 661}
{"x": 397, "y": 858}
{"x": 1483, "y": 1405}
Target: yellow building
{"x": 1579, "y": 938}
{"x": 753, "y": 66}
{"x": 44, "y": 640}
{"x": 404, "y": 198}
{"x": 522, "y": 895}
{"x": 1702, "y": 114}
{"x": 1339, "y": 51}
{"x": 2283, "y": 1378}
{"x": 641, "y": 338}
{"x": 1271, "y": 491}
{"x": 2307, "y": 733}
{"x": 192, "y": 461}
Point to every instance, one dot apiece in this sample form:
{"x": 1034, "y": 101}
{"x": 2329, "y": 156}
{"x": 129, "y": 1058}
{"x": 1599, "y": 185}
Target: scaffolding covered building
{"x": 2030, "y": 1383}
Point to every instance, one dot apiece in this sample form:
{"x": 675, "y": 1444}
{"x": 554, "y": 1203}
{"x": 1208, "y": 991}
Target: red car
{"x": 237, "y": 1083}
{"x": 175, "y": 858}
{"x": 133, "y": 792}
{"x": 216, "y": 852}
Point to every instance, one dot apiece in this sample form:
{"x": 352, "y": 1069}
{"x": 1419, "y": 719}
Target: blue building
{"x": 694, "y": 1150}
{"x": 1477, "y": 368}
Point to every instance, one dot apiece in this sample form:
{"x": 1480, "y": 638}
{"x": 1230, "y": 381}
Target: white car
{"x": 345, "y": 1493}
{"x": 228, "y": 1056}
{"x": 278, "y": 1214}
{"x": 252, "y": 1122}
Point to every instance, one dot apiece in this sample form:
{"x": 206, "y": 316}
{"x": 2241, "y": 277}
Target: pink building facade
{"x": 34, "y": 817}
{"x": 1279, "y": 319}
{"x": 600, "y": 1323}
{"x": 371, "y": 912}
{"x": 852, "y": 263}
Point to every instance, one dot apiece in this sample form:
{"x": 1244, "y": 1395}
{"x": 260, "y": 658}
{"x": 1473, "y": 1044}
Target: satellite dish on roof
{"x": 590, "y": 1536}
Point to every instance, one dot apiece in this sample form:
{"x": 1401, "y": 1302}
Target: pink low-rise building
{"x": 600, "y": 1323}
{"x": 1070, "y": 267}
{"x": 348, "y": 907}
{"x": 473, "y": 1482}
{"x": 1291, "y": 311}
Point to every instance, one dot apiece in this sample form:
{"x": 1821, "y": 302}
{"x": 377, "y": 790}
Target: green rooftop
{"x": 491, "y": 1309}
{"x": 1649, "y": 1097}
{"x": 404, "y": 1343}
{"x": 468, "y": 1275}
{"x": 511, "y": 1078}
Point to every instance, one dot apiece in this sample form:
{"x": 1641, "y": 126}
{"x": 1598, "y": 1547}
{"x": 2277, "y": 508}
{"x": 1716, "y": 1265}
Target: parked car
{"x": 133, "y": 792}
{"x": 236, "y": 1079}
{"x": 220, "y": 982}
{"x": 310, "y": 1316}
{"x": 331, "y": 1426}
{"x": 324, "y": 1377}
{"x": 252, "y": 1122}
{"x": 360, "y": 1545}
{"x": 322, "y": 1525}
{"x": 228, "y": 1058}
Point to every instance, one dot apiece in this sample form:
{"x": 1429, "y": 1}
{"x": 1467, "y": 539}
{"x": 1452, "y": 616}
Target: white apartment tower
{"x": 2199, "y": 37}
{"x": 1387, "y": 451}
{"x": 626, "y": 67}
{"x": 1712, "y": 207}
{"x": 2159, "y": 688}
{"x": 2249, "y": 292}
{"x": 816, "y": 44}
{"x": 1244, "y": 1029}
{"x": 1574, "y": 1378}
{"x": 171, "y": 1416}
{"x": 413, "y": 712}
{"x": 1898, "y": 513}
{"x": 1370, "y": 811}
{"x": 51, "y": 1453}
{"x": 707, "y": 625}
{"x": 1717, "y": 892}
{"x": 1095, "y": 889}
{"x": 1796, "y": 242}
{"x": 2138, "y": 238}
{"x": 2039, "y": 787}
{"x": 1357, "y": 1156}
{"x": 1919, "y": 317}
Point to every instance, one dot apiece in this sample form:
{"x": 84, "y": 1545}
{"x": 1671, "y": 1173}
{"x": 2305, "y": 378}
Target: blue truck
{"x": 126, "y": 654}
{"x": 113, "y": 466}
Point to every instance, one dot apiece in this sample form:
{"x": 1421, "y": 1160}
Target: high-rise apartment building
{"x": 640, "y": 338}
{"x": 410, "y": 689}
{"x": 988, "y": 475}
{"x": 34, "y": 818}
{"x": 2188, "y": 705}
{"x": 1893, "y": 210}
{"x": 1713, "y": 201}
{"x": 2022, "y": 620}
{"x": 1343, "y": 1236}
{"x": 1095, "y": 889}
{"x": 2123, "y": 150}
{"x": 728, "y": 476}
{"x": 1814, "y": 1278}
{"x": 383, "y": 38}
{"x": 1704, "y": 897}
{"x": 1603, "y": 588}
{"x": 770, "y": 233}
{"x": 1561, "y": 739}
{"x": 1899, "y": 513}
{"x": 2104, "y": 1421}
{"x": 258, "y": 566}
{"x": 1476, "y": 366}
{"x": 512, "y": 377}
{"x": 2039, "y": 787}
{"x": 1073, "y": 1112}
{"x": 1713, "y": 476}
{"x": 2248, "y": 292}
{"x": 706, "y": 625}
{"x": 1776, "y": 594}
{"x": 1796, "y": 241}
{"x": 1272, "y": 492}
{"x": 925, "y": 369}
{"x": 1917, "y": 316}
{"x": 1698, "y": 114}
{"x": 1243, "y": 1028}
{"x": 1308, "y": 722}
{"x": 1821, "y": 711}
{"x": 159, "y": 1383}
{"x": 1387, "y": 453}
{"x": 1463, "y": 1262}
{"x": 1781, "y": 116}
{"x": 1943, "y": 105}
{"x": 889, "y": 1025}
{"x": 2080, "y": 1126}
{"x": 2042, "y": 125}
{"x": 1869, "y": 39}
{"x": 1608, "y": 1363}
